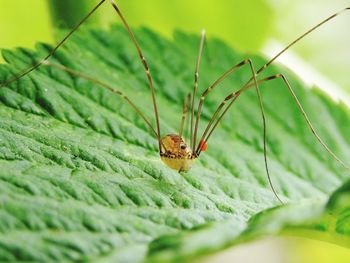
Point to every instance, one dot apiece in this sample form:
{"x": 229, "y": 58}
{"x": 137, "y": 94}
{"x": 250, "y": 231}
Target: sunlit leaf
{"x": 81, "y": 178}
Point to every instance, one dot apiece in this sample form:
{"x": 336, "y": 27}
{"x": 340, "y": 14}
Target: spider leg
{"x": 183, "y": 118}
{"x": 308, "y": 122}
{"x": 52, "y": 52}
{"x": 143, "y": 60}
{"x": 106, "y": 86}
{"x": 234, "y": 96}
{"x": 195, "y": 87}
{"x": 211, "y": 88}
{"x": 145, "y": 66}
{"x": 231, "y": 98}
{"x": 298, "y": 39}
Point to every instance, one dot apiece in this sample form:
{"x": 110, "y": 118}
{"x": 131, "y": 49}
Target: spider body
{"x": 176, "y": 154}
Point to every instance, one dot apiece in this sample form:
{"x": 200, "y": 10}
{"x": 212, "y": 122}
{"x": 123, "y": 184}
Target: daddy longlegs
{"x": 173, "y": 149}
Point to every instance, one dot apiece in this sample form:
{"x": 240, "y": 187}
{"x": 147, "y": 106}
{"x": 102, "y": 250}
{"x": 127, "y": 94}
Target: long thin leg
{"x": 209, "y": 89}
{"x": 261, "y": 105}
{"x": 234, "y": 96}
{"x": 195, "y": 87}
{"x": 144, "y": 63}
{"x": 39, "y": 63}
{"x": 183, "y": 118}
{"x": 104, "y": 85}
{"x": 267, "y": 64}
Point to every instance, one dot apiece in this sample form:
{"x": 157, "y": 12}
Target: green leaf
{"x": 81, "y": 178}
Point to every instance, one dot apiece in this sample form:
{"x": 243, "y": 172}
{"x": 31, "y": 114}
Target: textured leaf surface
{"x": 80, "y": 177}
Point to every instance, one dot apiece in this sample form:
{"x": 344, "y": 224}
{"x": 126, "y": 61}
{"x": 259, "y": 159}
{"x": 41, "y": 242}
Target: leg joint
{"x": 248, "y": 61}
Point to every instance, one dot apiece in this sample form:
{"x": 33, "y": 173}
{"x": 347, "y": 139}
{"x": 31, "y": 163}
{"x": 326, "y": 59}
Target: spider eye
{"x": 183, "y": 147}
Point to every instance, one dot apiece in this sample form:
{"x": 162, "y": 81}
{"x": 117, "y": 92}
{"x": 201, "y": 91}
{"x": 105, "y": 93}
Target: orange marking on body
{"x": 203, "y": 145}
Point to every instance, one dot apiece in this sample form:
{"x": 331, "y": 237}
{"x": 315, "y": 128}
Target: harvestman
{"x": 173, "y": 149}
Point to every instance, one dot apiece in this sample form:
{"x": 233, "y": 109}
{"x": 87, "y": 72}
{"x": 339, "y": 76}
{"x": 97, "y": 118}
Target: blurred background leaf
{"x": 246, "y": 25}
{"x": 227, "y": 20}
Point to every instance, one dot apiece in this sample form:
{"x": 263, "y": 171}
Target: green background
{"x": 246, "y": 25}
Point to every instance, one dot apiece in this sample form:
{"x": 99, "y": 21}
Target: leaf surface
{"x": 81, "y": 179}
